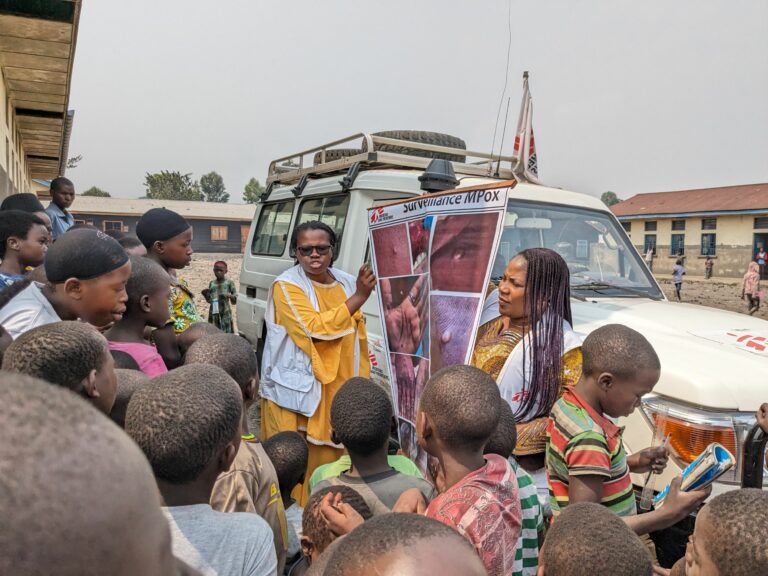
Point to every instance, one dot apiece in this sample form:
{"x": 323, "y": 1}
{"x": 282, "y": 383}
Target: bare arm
{"x": 167, "y": 346}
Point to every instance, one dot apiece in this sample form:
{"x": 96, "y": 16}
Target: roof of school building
{"x": 744, "y": 199}
{"x": 137, "y": 206}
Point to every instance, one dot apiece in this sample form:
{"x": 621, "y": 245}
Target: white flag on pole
{"x": 527, "y": 167}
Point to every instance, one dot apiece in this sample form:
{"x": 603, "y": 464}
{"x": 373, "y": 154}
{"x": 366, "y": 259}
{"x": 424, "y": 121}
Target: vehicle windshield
{"x": 598, "y": 252}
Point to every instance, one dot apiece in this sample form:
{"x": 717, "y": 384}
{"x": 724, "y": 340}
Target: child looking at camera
{"x": 220, "y": 293}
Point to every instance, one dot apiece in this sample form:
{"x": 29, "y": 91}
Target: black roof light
{"x": 438, "y": 176}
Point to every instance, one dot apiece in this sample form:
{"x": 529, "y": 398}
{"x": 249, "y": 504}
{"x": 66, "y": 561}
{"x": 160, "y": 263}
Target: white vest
{"x": 514, "y": 377}
{"x": 287, "y": 378}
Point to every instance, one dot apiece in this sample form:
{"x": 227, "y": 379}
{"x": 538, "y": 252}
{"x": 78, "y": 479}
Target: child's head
{"x": 405, "y": 545}
{"x": 220, "y": 270}
{"x": 316, "y": 534}
{"x": 88, "y": 272}
{"x": 166, "y": 236}
{"x": 504, "y": 438}
{"x": 621, "y": 366}
{"x": 79, "y": 500}
{"x": 188, "y": 425}
{"x": 23, "y": 238}
{"x": 729, "y": 537}
{"x": 132, "y": 245}
{"x": 70, "y": 354}
{"x": 62, "y": 192}
{"x": 128, "y": 381}
{"x": 193, "y": 334}
{"x": 361, "y": 417}
{"x": 587, "y": 539}
{"x": 148, "y": 287}
{"x": 288, "y": 453}
{"x": 231, "y": 353}
{"x": 459, "y": 410}
{"x": 124, "y": 361}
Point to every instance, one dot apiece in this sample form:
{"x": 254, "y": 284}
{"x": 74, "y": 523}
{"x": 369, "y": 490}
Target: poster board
{"x": 432, "y": 256}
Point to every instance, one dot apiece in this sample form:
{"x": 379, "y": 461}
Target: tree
{"x": 74, "y": 161}
{"x": 168, "y": 185}
{"x": 212, "y": 187}
{"x": 253, "y": 190}
{"x": 609, "y": 198}
{"x": 95, "y": 191}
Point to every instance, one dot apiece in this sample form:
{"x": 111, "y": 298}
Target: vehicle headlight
{"x": 691, "y": 430}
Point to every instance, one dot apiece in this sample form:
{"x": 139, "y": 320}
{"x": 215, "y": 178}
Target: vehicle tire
{"x": 336, "y": 154}
{"x": 435, "y": 138}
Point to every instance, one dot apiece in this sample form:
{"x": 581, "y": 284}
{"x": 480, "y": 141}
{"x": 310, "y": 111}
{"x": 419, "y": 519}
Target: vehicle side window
{"x": 272, "y": 228}
{"x": 330, "y": 210}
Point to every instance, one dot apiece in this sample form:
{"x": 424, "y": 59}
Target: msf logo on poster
{"x": 378, "y": 215}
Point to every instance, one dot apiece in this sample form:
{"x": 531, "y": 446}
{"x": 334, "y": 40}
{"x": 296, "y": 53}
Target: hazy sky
{"x": 628, "y": 96}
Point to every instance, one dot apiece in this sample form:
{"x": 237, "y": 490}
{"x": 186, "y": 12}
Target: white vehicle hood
{"x": 710, "y": 358}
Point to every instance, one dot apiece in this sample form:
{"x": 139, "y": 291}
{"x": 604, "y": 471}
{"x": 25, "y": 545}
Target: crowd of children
{"x": 177, "y": 483}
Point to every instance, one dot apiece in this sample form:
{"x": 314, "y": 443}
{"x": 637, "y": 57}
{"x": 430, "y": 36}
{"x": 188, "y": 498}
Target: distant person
{"x": 23, "y": 244}
{"x": 709, "y": 264}
{"x": 649, "y": 258}
{"x": 62, "y": 197}
{"x": 27, "y": 202}
{"x": 762, "y": 259}
{"x": 220, "y": 294}
{"x": 750, "y": 288}
{"x": 678, "y": 271}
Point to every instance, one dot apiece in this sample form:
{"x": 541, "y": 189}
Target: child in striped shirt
{"x": 532, "y": 534}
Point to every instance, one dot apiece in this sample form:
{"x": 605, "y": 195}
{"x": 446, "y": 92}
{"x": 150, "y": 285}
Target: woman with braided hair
{"x": 526, "y": 343}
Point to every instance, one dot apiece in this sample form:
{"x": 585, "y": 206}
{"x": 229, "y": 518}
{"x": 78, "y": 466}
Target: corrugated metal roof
{"x": 138, "y": 206}
{"x": 747, "y": 197}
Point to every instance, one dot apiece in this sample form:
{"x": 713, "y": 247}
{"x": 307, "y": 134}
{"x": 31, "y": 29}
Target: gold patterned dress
{"x": 493, "y": 346}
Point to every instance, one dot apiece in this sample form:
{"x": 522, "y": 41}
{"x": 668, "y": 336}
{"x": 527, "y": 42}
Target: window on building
{"x": 708, "y": 223}
{"x": 330, "y": 210}
{"x": 81, "y": 222}
{"x": 678, "y": 224}
{"x": 271, "y": 234}
{"x": 677, "y": 245}
{"x": 650, "y": 226}
{"x": 219, "y": 233}
{"x": 649, "y": 243}
{"x": 112, "y": 225}
{"x": 627, "y": 227}
{"x": 761, "y": 222}
{"x": 708, "y": 244}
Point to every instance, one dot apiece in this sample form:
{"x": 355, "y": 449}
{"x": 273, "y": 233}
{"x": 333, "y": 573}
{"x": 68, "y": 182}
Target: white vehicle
{"x": 714, "y": 363}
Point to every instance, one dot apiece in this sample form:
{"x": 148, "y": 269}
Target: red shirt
{"x": 484, "y": 507}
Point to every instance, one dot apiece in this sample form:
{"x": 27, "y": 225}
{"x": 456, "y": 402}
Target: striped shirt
{"x": 527, "y": 551}
{"x": 581, "y": 442}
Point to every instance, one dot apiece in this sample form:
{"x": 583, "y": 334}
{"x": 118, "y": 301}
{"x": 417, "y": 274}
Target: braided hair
{"x": 547, "y": 304}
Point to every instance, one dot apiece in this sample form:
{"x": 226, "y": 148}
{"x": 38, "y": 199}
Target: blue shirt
{"x": 7, "y": 280}
{"x": 61, "y": 221}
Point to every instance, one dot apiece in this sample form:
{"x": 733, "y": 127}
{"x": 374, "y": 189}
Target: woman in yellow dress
{"x": 526, "y": 343}
{"x": 316, "y": 341}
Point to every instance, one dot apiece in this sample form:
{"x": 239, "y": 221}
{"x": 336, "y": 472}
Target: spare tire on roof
{"x": 336, "y": 154}
{"x": 434, "y": 138}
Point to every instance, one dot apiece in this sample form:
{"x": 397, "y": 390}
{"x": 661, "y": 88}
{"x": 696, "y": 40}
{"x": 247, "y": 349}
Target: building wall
{"x": 734, "y": 243}
{"x": 14, "y": 175}
{"x": 201, "y": 229}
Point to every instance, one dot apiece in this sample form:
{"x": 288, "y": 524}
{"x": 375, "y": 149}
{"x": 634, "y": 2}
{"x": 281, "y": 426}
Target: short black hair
{"x": 26, "y": 202}
{"x": 123, "y": 360}
{"x": 314, "y": 525}
{"x": 289, "y": 454}
{"x": 184, "y": 419}
{"x": 147, "y": 278}
{"x": 619, "y": 350}
{"x": 129, "y": 241}
{"x": 15, "y": 224}
{"x": 194, "y": 333}
{"x": 587, "y": 539}
{"x": 128, "y": 381}
{"x": 313, "y": 225}
{"x": 57, "y": 183}
{"x": 736, "y": 524}
{"x": 62, "y": 353}
{"x": 230, "y": 352}
{"x": 504, "y": 438}
{"x": 361, "y": 416}
{"x": 83, "y": 254}
{"x": 463, "y": 404}
{"x": 383, "y": 534}
{"x": 64, "y": 490}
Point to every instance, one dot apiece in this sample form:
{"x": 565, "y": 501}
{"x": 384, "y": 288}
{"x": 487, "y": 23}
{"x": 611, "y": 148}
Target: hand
{"x": 206, "y": 292}
{"x": 679, "y": 504}
{"x": 762, "y": 417}
{"x": 340, "y": 516}
{"x": 659, "y": 571}
{"x": 412, "y": 500}
{"x": 649, "y": 460}
{"x": 365, "y": 281}
{"x": 405, "y": 319}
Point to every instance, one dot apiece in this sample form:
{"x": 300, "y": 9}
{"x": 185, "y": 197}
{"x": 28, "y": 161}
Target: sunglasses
{"x": 322, "y": 250}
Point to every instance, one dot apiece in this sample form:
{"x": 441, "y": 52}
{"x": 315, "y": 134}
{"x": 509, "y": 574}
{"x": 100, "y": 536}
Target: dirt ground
{"x": 716, "y": 293}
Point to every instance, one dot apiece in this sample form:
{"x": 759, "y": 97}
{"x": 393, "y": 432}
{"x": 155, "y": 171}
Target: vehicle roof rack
{"x": 321, "y": 161}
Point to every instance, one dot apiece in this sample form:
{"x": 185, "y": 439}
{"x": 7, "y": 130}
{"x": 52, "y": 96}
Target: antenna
{"x": 506, "y": 76}
{"x": 503, "y": 134}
